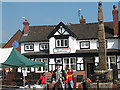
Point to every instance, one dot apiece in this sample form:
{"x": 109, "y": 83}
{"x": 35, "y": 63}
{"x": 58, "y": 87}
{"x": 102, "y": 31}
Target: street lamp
{"x": 79, "y": 14}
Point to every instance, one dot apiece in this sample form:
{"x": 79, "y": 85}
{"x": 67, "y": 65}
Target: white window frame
{"x": 51, "y": 64}
{"x": 69, "y": 62}
{"x": 40, "y": 46}
{"x": 29, "y": 45}
{"x": 85, "y": 45}
{"x": 109, "y": 63}
{"x": 118, "y": 62}
{"x": 60, "y": 45}
{"x": 42, "y": 68}
{"x": 80, "y": 63}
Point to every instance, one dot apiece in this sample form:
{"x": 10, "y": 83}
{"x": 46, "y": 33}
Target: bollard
{"x": 75, "y": 81}
{"x": 114, "y": 87}
{"x": 50, "y": 86}
{"x": 80, "y": 87}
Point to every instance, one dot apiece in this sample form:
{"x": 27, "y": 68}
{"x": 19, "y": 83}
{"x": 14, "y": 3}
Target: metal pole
{"x": 97, "y": 82}
{"x": 24, "y": 78}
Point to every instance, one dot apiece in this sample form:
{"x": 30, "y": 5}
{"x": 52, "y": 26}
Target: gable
{"x": 61, "y": 29}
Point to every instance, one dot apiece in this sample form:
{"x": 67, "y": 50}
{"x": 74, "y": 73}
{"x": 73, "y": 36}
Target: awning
{"x": 16, "y": 59}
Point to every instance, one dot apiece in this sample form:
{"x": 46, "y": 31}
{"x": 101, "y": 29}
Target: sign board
{"x": 61, "y": 50}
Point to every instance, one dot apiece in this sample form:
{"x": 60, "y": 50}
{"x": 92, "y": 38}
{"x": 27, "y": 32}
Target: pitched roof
{"x": 82, "y": 31}
{"x": 65, "y": 27}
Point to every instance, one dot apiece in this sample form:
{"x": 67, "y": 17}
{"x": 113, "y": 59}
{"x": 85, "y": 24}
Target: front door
{"x": 90, "y": 69}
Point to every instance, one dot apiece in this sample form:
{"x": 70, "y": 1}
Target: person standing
{"x": 58, "y": 78}
{"x": 66, "y": 81}
{"x": 42, "y": 77}
{"x": 70, "y": 78}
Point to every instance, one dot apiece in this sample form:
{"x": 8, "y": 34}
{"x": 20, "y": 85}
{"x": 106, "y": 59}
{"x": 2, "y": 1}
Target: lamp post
{"x": 79, "y": 14}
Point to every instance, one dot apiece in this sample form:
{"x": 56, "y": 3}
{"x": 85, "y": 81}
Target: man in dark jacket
{"x": 58, "y": 77}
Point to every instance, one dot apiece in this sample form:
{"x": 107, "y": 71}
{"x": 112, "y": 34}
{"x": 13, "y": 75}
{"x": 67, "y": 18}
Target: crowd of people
{"x": 62, "y": 77}
{"x": 59, "y": 78}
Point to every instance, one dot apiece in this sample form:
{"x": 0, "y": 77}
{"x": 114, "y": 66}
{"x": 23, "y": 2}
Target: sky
{"x": 49, "y": 13}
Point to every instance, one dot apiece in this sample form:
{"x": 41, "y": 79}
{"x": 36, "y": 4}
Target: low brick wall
{"x": 75, "y": 73}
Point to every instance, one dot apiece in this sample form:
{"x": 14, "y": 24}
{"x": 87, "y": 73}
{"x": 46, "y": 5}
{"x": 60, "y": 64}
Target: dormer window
{"x": 62, "y": 43}
{"x": 85, "y": 45}
{"x": 29, "y": 47}
{"x": 43, "y": 46}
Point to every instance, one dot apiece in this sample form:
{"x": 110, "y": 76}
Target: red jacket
{"x": 70, "y": 75}
{"x": 43, "y": 79}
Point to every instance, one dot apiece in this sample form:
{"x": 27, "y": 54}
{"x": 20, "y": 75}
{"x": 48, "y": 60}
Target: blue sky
{"x": 49, "y": 13}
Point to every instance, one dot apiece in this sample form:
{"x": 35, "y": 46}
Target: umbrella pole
{"x": 24, "y": 79}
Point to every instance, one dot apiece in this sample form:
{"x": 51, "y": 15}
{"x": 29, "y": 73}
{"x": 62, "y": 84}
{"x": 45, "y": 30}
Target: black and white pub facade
{"x": 73, "y": 45}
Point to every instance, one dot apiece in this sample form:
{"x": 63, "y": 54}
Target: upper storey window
{"x": 62, "y": 43}
{"x": 28, "y": 47}
{"x": 85, "y": 45}
{"x": 43, "y": 46}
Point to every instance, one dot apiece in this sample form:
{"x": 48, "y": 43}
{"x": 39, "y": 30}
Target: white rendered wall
{"x": 36, "y": 47}
{"x": 112, "y": 43}
{"x": 51, "y": 45}
{"x": 72, "y": 44}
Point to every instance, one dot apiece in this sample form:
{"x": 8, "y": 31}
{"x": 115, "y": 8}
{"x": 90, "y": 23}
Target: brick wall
{"x": 16, "y": 37}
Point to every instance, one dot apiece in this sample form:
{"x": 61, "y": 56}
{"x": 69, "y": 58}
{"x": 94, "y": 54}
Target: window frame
{"x": 29, "y": 47}
{"x": 60, "y": 46}
{"x": 44, "y": 46}
{"x": 42, "y": 68}
{"x": 80, "y": 63}
{"x": 84, "y": 42}
{"x": 69, "y": 64}
{"x": 109, "y": 62}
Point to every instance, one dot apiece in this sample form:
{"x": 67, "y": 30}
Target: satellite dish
{"x": 15, "y": 44}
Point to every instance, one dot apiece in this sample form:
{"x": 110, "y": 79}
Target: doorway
{"x": 90, "y": 69}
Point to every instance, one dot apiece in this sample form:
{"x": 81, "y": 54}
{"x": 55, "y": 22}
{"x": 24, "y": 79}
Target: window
{"x": 70, "y": 62}
{"x": 61, "y": 43}
{"x": 51, "y": 64}
{"x": 39, "y": 69}
{"x": 44, "y": 46}
{"x": 85, "y": 45}
{"x": 29, "y": 47}
{"x": 118, "y": 62}
{"x": 111, "y": 62}
{"x": 80, "y": 64}
{"x": 96, "y": 63}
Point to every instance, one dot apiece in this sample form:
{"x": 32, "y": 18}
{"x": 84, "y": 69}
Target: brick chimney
{"x": 115, "y": 20}
{"x": 26, "y": 26}
{"x": 82, "y": 20}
